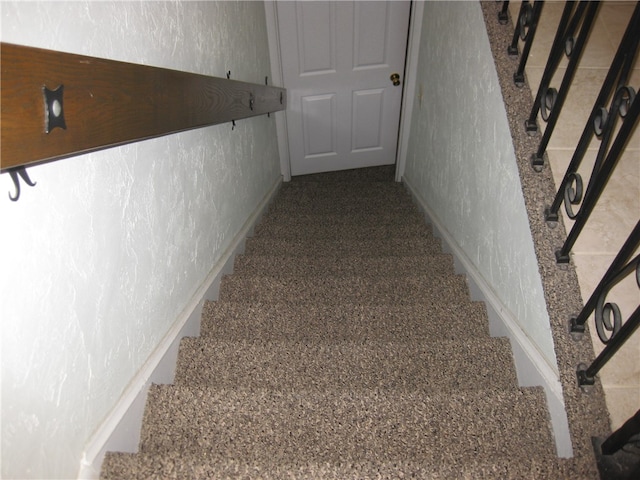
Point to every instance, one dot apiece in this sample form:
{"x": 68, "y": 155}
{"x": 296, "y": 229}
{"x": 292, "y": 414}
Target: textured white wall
{"x": 103, "y": 254}
{"x": 461, "y": 161}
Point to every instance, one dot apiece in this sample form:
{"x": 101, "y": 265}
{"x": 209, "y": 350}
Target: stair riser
{"x": 340, "y": 206}
{"x": 191, "y": 467}
{"x": 344, "y": 366}
{"x": 330, "y": 290}
{"x": 339, "y": 202}
{"x": 436, "y": 265}
{"x": 344, "y": 190}
{"x": 342, "y": 247}
{"x": 344, "y": 322}
{"x": 301, "y": 220}
{"x": 343, "y": 231}
{"x": 393, "y": 216}
{"x": 384, "y": 174}
{"x": 276, "y": 427}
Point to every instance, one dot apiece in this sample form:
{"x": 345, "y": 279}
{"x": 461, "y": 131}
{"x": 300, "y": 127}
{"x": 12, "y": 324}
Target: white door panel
{"x": 316, "y": 34}
{"x": 337, "y": 57}
{"x": 318, "y": 117}
{"x": 366, "y": 133}
{"x": 371, "y": 35}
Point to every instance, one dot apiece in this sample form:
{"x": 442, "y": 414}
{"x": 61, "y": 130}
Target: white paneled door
{"x": 337, "y": 61}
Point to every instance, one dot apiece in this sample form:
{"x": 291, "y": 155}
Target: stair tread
{"x": 344, "y": 193}
{"x": 364, "y": 206}
{"x": 393, "y": 217}
{"x": 342, "y": 426}
{"x": 435, "y": 264}
{"x": 339, "y": 204}
{"x": 364, "y": 248}
{"x": 346, "y": 321}
{"x": 353, "y": 230}
{"x": 385, "y": 173}
{"x": 332, "y": 201}
{"x": 343, "y": 188}
{"x": 184, "y": 466}
{"x": 433, "y": 366}
{"x": 410, "y": 289}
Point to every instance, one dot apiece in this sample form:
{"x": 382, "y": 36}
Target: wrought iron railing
{"x": 612, "y": 120}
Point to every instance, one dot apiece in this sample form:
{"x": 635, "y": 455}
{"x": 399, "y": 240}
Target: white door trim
{"x": 276, "y": 80}
{"x": 411, "y": 68}
{"x": 410, "y": 76}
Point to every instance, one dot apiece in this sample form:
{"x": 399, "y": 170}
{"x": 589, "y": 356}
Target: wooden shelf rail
{"x": 105, "y": 103}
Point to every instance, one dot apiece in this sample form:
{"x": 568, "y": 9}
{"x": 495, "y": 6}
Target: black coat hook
{"x": 16, "y": 174}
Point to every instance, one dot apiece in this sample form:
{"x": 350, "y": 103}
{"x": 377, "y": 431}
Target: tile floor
{"x": 619, "y": 207}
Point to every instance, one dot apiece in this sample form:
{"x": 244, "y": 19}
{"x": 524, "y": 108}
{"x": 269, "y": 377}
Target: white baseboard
{"x": 120, "y": 431}
{"x": 531, "y": 367}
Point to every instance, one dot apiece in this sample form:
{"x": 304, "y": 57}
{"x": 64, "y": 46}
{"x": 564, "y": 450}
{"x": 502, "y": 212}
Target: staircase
{"x": 343, "y": 346}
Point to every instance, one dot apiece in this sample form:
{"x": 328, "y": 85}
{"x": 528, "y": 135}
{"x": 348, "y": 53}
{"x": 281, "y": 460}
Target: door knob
{"x": 395, "y": 79}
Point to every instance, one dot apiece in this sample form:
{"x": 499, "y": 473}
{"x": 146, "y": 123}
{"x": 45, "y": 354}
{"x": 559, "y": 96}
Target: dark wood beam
{"x": 107, "y": 103}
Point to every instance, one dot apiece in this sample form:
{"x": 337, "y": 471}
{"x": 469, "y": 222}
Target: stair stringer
{"x": 120, "y": 431}
{"x": 531, "y": 368}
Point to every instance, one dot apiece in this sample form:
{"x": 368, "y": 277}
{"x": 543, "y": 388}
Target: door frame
{"x": 406, "y": 108}
{"x": 273, "y": 39}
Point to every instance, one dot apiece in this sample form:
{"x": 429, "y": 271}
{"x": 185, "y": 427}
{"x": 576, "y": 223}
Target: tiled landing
{"x": 619, "y": 207}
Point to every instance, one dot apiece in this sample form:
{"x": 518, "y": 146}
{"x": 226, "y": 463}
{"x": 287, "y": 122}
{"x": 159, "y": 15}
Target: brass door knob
{"x": 395, "y": 79}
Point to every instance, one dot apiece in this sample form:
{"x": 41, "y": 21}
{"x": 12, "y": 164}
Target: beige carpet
{"x": 343, "y": 346}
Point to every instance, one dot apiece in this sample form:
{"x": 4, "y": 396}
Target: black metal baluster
{"x": 576, "y": 324}
{"x": 555, "y": 55}
{"x": 525, "y": 9}
{"x": 518, "y": 77}
{"x": 625, "y": 102}
{"x": 607, "y": 315}
{"x": 586, "y": 375}
{"x": 618, "y": 75}
{"x": 551, "y": 102}
{"x": 503, "y": 14}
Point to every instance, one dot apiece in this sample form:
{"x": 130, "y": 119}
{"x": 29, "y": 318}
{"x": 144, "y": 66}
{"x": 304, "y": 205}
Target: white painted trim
{"x": 271, "y": 15}
{"x": 532, "y": 367}
{"x": 410, "y": 78}
{"x": 120, "y": 431}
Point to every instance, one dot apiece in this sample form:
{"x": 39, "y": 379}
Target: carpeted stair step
{"x": 340, "y": 208}
{"x": 348, "y": 196}
{"x": 408, "y": 290}
{"x": 435, "y": 366}
{"x": 340, "y": 247}
{"x": 339, "y": 201}
{"x": 343, "y": 231}
{"x": 195, "y": 467}
{"x": 384, "y": 216}
{"x": 366, "y": 187}
{"x": 345, "y": 322}
{"x": 311, "y": 426}
{"x": 382, "y": 173}
{"x": 437, "y": 264}
{"x": 390, "y": 196}
{"x": 352, "y": 176}
{"x": 306, "y": 216}
{"x": 364, "y": 209}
